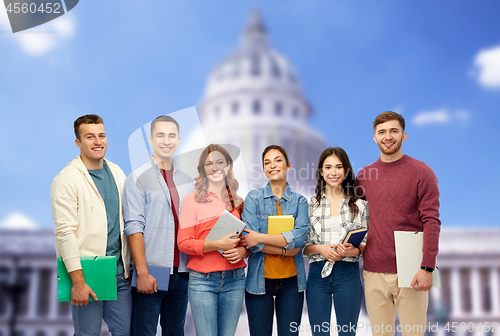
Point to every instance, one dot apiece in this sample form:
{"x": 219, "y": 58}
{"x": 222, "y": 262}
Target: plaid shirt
{"x": 319, "y": 232}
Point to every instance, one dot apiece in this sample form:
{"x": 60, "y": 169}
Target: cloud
{"x": 18, "y": 221}
{"x": 487, "y": 67}
{"x": 398, "y": 109}
{"x": 44, "y": 38}
{"x": 440, "y": 117}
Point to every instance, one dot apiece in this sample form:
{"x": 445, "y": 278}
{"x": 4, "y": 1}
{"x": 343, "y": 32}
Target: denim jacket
{"x": 147, "y": 209}
{"x": 261, "y": 203}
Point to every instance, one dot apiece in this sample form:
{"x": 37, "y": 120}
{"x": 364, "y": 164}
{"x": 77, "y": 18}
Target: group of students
{"x": 275, "y": 279}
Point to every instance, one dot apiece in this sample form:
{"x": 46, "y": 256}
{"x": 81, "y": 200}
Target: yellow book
{"x": 279, "y": 224}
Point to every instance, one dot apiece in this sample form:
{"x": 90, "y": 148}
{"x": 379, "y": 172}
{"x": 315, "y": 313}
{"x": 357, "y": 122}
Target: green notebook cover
{"x": 99, "y": 273}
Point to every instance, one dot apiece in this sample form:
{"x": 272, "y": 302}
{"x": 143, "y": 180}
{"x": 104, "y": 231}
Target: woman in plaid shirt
{"x": 334, "y": 268}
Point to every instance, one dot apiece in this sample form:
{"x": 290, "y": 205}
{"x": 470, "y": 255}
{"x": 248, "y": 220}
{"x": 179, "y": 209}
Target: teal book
{"x": 99, "y": 273}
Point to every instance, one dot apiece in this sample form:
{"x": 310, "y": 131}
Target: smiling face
{"x": 275, "y": 166}
{"x": 389, "y": 137}
{"x": 93, "y": 144}
{"x": 164, "y": 139}
{"x": 216, "y": 167}
{"x": 333, "y": 171}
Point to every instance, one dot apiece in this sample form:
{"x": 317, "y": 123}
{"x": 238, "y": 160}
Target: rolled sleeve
{"x": 134, "y": 202}
{"x": 290, "y": 239}
{"x": 309, "y": 240}
{"x": 365, "y": 220}
{"x": 249, "y": 217}
{"x": 296, "y": 237}
{"x": 309, "y": 237}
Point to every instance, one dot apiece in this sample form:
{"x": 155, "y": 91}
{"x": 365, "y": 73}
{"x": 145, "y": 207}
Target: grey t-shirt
{"x": 106, "y": 186}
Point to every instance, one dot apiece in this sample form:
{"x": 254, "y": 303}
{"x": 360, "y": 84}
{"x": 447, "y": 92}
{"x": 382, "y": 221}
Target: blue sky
{"x": 437, "y": 63}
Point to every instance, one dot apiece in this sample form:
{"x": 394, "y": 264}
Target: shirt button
{"x": 170, "y": 253}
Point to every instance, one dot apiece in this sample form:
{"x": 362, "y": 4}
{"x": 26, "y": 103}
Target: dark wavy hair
{"x": 347, "y": 184}
{"x": 231, "y": 198}
{"x": 278, "y": 148}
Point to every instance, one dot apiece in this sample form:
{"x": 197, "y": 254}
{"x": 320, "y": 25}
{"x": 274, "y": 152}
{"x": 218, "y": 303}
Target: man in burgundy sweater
{"x": 402, "y": 195}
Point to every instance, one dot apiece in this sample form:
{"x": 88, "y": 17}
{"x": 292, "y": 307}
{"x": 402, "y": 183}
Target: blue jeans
{"x": 216, "y": 299}
{"x": 289, "y": 303}
{"x": 171, "y": 306}
{"x": 344, "y": 286}
{"x": 87, "y": 320}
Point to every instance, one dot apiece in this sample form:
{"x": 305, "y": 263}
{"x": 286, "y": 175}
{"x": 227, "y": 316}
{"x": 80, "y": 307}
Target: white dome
{"x": 254, "y": 99}
{"x": 254, "y": 66}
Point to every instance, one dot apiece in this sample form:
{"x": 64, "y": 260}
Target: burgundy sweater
{"x": 402, "y": 196}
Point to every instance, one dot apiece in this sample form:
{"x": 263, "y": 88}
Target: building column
{"x": 436, "y": 295}
{"x": 495, "y": 291}
{"x": 456, "y": 293}
{"x": 53, "y": 304}
{"x": 476, "y": 292}
{"x": 33, "y": 294}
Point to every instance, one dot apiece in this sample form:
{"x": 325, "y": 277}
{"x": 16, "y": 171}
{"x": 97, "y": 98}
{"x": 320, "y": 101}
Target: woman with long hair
{"x": 216, "y": 281}
{"x": 276, "y": 276}
{"x": 334, "y": 267}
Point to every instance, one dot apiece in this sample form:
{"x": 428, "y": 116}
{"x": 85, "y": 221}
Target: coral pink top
{"x": 196, "y": 221}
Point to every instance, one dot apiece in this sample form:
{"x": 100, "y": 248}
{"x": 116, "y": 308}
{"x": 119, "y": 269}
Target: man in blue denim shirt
{"x": 153, "y": 195}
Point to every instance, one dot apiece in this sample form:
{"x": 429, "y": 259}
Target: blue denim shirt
{"x": 147, "y": 209}
{"x": 261, "y": 203}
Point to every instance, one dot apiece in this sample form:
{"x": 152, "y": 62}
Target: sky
{"x": 436, "y": 63}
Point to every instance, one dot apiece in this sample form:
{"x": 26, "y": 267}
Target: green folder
{"x": 99, "y": 273}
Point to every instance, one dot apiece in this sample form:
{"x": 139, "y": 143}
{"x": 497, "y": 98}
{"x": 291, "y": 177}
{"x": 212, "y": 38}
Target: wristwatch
{"x": 427, "y": 269}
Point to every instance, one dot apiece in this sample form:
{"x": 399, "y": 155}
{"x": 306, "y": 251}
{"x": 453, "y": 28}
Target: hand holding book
{"x": 348, "y": 250}
{"x": 329, "y": 252}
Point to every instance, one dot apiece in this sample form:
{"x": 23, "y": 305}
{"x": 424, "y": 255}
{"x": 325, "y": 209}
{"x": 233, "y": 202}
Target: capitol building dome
{"x": 253, "y": 99}
{"x": 254, "y": 66}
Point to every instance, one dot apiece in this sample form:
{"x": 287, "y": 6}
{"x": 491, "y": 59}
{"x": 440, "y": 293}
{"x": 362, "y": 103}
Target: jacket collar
{"x": 287, "y": 195}
{"x": 78, "y": 163}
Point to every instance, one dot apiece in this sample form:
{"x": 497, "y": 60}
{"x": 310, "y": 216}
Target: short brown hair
{"x": 165, "y": 118}
{"x": 86, "y": 119}
{"x": 386, "y": 116}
